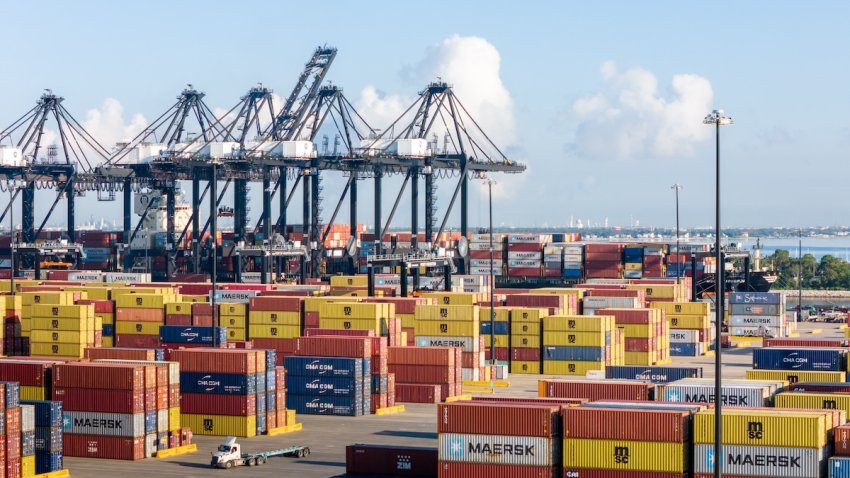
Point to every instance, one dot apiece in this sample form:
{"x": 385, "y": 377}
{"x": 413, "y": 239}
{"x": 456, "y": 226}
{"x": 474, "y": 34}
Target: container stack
{"x": 103, "y": 409}
{"x": 34, "y": 377}
{"x": 10, "y": 393}
{"x": 839, "y": 465}
{"x": 202, "y": 314}
{"x": 372, "y": 316}
{"x": 576, "y": 345}
{"x": 525, "y": 340}
{"x": 501, "y": 332}
{"x": 27, "y": 440}
{"x": 405, "y": 312}
{"x": 269, "y": 394}
{"x": 623, "y": 442}
{"x": 603, "y": 261}
{"x": 425, "y": 374}
{"x": 646, "y": 335}
{"x": 234, "y": 317}
{"x": 592, "y": 390}
{"x": 690, "y": 327}
{"x": 138, "y": 316}
{"x": 314, "y": 393}
{"x": 13, "y": 342}
{"x": 219, "y": 390}
{"x": 757, "y": 314}
{"x": 104, "y": 313}
{"x": 653, "y": 261}
{"x": 573, "y": 261}
{"x": 183, "y": 336}
{"x": 553, "y": 258}
{"x": 178, "y": 313}
{"x": 525, "y": 255}
{"x": 799, "y": 364}
{"x": 473, "y": 439}
{"x": 274, "y": 323}
{"x": 633, "y": 262}
{"x": 654, "y": 374}
{"x": 48, "y": 435}
{"x": 30, "y": 299}
{"x": 63, "y": 330}
{"x": 596, "y": 298}
{"x": 736, "y": 393}
{"x": 452, "y": 326}
{"x": 479, "y": 254}
{"x": 764, "y": 443}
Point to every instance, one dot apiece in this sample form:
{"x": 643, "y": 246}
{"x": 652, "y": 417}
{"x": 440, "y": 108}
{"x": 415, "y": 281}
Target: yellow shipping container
{"x": 46, "y": 323}
{"x": 264, "y": 331}
{"x": 640, "y": 358}
{"x": 353, "y": 310}
{"x": 93, "y": 293}
{"x": 55, "y": 336}
{"x": 407, "y": 320}
{"x": 58, "y": 298}
{"x": 579, "y": 323}
{"x": 500, "y": 340}
{"x": 827, "y": 401}
{"x": 105, "y": 318}
{"x": 350, "y": 281}
{"x": 633, "y": 266}
{"x": 107, "y": 342}
{"x": 683, "y": 308}
{"x": 233, "y": 322}
{"x": 637, "y": 331}
{"x": 765, "y": 428}
{"x": 10, "y": 302}
{"x": 119, "y": 291}
{"x": 237, "y": 334}
{"x": 525, "y": 328}
{"x": 660, "y": 291}
{"x": 232, "y": 309}
{"x": 794, "y": 376}
{"x": 527, "y": 314}
{"x": 145, "y": 301}
{"x": 577, "y": 339}
{"x": 501, "y": 314}
{"x": 174, "y": 419}
{"x": 56, "y": 350}
{"x": 660, "y": 457}
{"x": 194, "y": 298}
{"x": 466, "y": 313}
{"x": 562, "y": 367}
{"x": 689, "y": 321}
{"x": 453, "y": 298}
{"x": 312, "y": 304}
{"x": 62, "y": 311}
{"x": 27, "y": 466}
{"x": 220, "y": 425}
{"x": 525, "y": 341}
{"x": 178, "y": 308}
{"x": 531, "y": 367}
{"x": 32, "y": 392}
{"x": 452, "y": 328}
{"x": 274, "y": 318}
{"x": 378, "y": 325}
{"x": 137, "y": 328}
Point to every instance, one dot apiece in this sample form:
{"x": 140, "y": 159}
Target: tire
{"x": 252, "y": 462}
{"x": 261, "y": 460}
{"x": 228, "y": 465}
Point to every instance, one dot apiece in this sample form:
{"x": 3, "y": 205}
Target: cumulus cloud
{"x": 632, "y": 118}
{"x": 107, "y": 125}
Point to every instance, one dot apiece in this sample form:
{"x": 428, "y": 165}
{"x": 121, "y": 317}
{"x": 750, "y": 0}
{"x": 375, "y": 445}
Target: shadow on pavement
{"x": 407, "y": 434}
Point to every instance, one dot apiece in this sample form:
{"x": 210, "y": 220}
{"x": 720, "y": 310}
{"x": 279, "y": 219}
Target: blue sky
{"x": 602, "y": 100}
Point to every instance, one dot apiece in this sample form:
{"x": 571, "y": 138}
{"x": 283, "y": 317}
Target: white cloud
{"x": 633, "y": 119}
{"x": 106, "y": 124}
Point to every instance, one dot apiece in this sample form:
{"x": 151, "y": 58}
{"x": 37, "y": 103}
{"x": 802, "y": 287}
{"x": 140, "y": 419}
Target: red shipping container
{"x": 317, "y": 332}
{"x": 639, "y": 344}
{"x": 137, "y": 341}
{"x": 629, "y": 316}
{"x": 596, "y": 389}
{"x": 547, "y": 301}
{"x": 805, "y": 342}
{"x": 95, "y": 446}
{"x": 390, "y": 460}
{"x": 234, "y": 405}
{"x": 423, "y": 373}
{"x": 514, "y": 419}
{"x": 417, "y": 393}
{"x": 99, "y": 375}
{"x": 594, "y": 473}
{"x": 202, "y": 320}
{"x": 452, "y": 469}
{"x": 842, "y": 440}
{"x": 623, "y": 424}
{"x": 502, "y": 353}
{"x": 334, "y": 347}
{"x": 25, "y": 372}
{"x": 139, "y": 315}
{"x": 117, "y": 353}
{"x": 283, "y": 346}
{"x": 101, "y": 400}
{"x": 422, "y": 355}
{"x": 216, "y": 360}
{"x": 275, "y": 303}
{"x": 377, "y": 400}
{"x": 525, "y": 354}
{"x": 13, "y": 467}
{"x": 178, "y": 319}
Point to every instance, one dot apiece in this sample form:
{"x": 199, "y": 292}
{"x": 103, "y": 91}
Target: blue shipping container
{"x": 178, "y": 334}
{"x": 28, "y": 443}
{"x": 271, "y": 360}
{"x": 323, "y": 366}
{"x": 379, "y": 384}
{"x": 325, "y": 386}
{"x": 755, "y": 298}
{"x": 108, "y": 330}
{"x": 218, "y": 383}
{"x": 839, "y": 467}
{"x": 312, "y": 405}
{"x": 501, "y": 328}
{"x": 150, "y": 422}
{"x": 261, "y": 382}
{"x": 654, "y": 374}
{"x": 13, "y": 394}
{"x": 367, "y": 403}
{"x": 47, "y": 412}
{"x": 261, "y": 403}
{"x": 271, "y": 401}
{"x": 48, "y": 439}
{"x": 271, "y": 381}
{"x": 832, "y": 360}
{"x": 572, "y": 273}
{"x": 582, "y": 354}
{"x": 47, "y": 462}
{"x": 683, "y": 350}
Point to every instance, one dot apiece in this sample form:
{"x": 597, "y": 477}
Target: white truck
{"x": 229, "y": 454}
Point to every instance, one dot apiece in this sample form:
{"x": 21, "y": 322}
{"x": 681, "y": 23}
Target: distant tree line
{"x": 831, "y": 273}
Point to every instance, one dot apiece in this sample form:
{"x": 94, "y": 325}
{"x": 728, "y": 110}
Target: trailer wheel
{"x": 252, "y": 462}
{"x": 261, "y": 460}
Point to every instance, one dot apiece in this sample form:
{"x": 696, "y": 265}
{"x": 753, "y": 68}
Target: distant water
{"x": 818, "y": 247}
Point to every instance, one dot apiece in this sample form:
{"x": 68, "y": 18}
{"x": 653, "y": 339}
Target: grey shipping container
{"x": 742, "y": 460}
{"x": 105, "y": 424}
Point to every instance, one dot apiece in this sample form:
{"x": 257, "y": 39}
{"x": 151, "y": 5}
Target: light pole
{"x": 677, "y": 187}
{"x": 718, "y": 119}
{"x": 12, "y": 237}
{"x": 492, "y": 278}
{"x": 800, "y": 278}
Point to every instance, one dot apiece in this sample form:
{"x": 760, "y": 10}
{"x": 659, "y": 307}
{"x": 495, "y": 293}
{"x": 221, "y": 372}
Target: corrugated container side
{"x": 763, "y": 461}
{"x": 499, "y": 419}
{"x": 502, "y": 450}
{"x": 391, "y": 460}
{"x": 618, "y": 424}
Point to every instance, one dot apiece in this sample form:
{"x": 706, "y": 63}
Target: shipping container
{"x": 763, "y": 428}
{"x": 313, "y": 405}
{"x": 652, "y": 373}
{"x": 621, "y": 424}
{"x": 220, "y": 425}
{"x": 626, "y": 455}
{"x": 218, "y": 383}
{"x": 596, "y": 389}
{"x": 498, "y": 449}
{"x": 101, "y": 400}
{"x": 776, "y": 358}
{"x": 402, "y": 461}
{"x": 93, "y": 446}
{"x": 107, "y": 424}
{"x": 742, "y": 460}
{"x": 98, "y": 375}
{"x": 323, "y": 366}
{"x": 499, "y": 419}
{"x": 453, "y": 469}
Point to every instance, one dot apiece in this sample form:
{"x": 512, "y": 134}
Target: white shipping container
{"x": 128, "y": 277}
{"x": 150, "y": 445}
{"x": 470, "y": 374}
{"x": 611, "y": 302}
{"x": 684, "y": 336}
{"x": 485, "y": 246}
{"x": 468, "y": 344}
{"x": 572, "y": 265}
{"x": 524, "y": 255}
{"x": 11, "y": 156}
{"x": 767, "y": 461}
{"x": 485, "y": 271}
{"x": 526, "y": 263}
{"x": 416, "y": 148}
{"x": 755, "y": 320}
{"x": 486, "y": 237}
{"x": 499, "y": 372}
{"x": 551, "y": 258}
{"x": 573, "y": 258}
{"x": 499, "y": 450}
{"x": 162, "y": 421}
{"x": 588, "y": 311}
{"x": 88, "y": 276}
{"x": 608, "y": 281}
{"x": 234, "y": 296}
{"x": 553, "y": 250}
{"x": 104, "y": 424}
{"x": 497, "y": 263}
{"x": 753, "y": 309}
{"x": 731, "y": 394}
{"x": 28, "y": 418}
{"x": 251, "y": 277}
{"x": 757, "y": 331}
{"x": 525, "y": 239}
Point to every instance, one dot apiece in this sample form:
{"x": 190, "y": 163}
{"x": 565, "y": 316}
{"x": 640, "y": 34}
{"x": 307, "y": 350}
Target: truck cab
{"x": 228, "y": 454}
